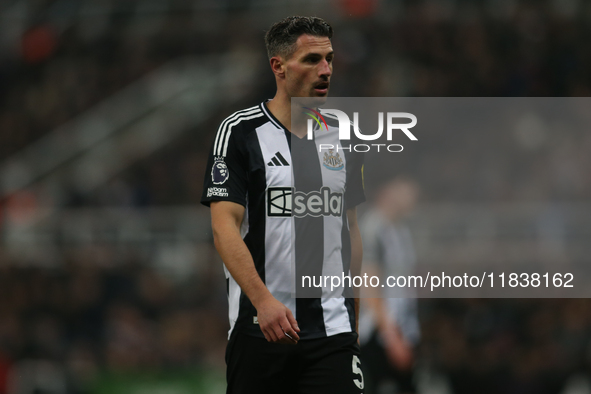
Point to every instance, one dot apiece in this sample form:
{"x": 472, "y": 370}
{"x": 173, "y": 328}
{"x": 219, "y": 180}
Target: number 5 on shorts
{"x": 357, "y": 371}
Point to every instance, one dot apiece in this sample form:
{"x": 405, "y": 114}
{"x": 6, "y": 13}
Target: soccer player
{"x": 389, "y": 324}
{"x": 262, "y": 196}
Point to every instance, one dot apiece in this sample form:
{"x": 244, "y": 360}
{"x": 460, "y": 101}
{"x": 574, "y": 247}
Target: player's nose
{"x": 324, "y": 68}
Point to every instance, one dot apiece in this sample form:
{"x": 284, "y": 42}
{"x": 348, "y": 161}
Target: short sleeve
{"x": 226, "y": 174}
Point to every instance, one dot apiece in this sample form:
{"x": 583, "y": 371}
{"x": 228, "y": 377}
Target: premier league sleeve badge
{"x": 219, "y": 171}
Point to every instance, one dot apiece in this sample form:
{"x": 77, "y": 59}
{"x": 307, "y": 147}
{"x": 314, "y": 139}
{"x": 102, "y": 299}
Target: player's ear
{"x": 278, "y": 66}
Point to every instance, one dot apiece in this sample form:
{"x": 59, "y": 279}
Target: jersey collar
{"x": 272, "y": 117}
{"x": 274, "y": 120}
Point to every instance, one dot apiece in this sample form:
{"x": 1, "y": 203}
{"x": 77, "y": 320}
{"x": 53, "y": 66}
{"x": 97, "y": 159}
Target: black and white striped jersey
{"x": 389, "y": 247}
{"x": 294, "y": 197}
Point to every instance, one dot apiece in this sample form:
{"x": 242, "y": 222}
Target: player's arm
{"x": 275, "y": 319}
{"x": 356, "y": 254}
{"x": 375, "y": 301}
{"x": 398, "y": 350}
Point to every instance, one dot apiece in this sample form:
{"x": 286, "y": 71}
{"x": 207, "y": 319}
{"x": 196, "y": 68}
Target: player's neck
{"x": 280, "y": 107}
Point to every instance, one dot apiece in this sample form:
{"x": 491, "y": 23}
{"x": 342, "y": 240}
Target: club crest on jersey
{"x": 219, "y": 171}
{"x": 333, "y": 162}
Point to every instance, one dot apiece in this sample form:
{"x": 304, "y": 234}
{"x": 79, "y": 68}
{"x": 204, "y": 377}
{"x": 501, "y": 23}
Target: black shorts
{"x": 313, "y": 366}
{"x": 380, "y": 372}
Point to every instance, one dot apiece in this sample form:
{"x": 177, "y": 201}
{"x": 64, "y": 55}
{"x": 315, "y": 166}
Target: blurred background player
{"x": 389, "y": 325}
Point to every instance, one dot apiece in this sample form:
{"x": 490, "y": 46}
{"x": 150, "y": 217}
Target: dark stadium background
{"x": 108, "y": 279}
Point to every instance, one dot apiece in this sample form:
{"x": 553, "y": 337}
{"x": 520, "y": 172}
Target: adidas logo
{"x": 278, "y": 160}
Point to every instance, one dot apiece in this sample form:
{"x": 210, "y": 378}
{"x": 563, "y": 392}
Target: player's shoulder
{"x": 243, "y": 119}
{"x": 237, "y": 126}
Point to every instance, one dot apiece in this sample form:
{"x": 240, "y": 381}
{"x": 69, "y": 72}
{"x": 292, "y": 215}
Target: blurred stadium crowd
{"x": 98, "y": 309}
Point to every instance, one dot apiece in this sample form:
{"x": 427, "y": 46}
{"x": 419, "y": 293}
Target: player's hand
{"x": 398, "y": 350}
{"x": 277, "y": 322}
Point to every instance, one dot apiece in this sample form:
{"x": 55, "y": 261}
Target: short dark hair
{"x": 282, "y": 36}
